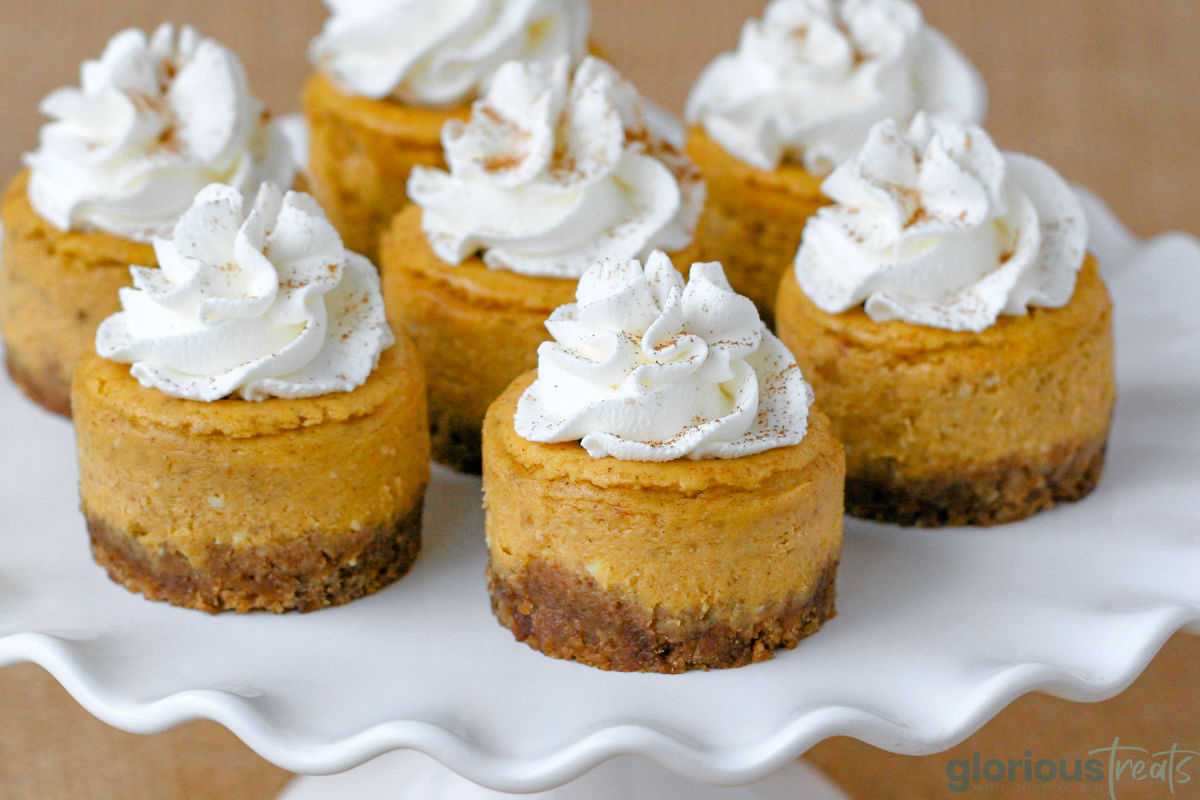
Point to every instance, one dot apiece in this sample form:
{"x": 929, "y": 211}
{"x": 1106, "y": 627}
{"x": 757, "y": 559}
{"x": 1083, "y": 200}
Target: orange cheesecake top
{"x": 567, "y": 461}
{"x": 932, "y": 224}
{"x": 109, "y": 383}
{"x": 397, "y": 121}
{"x": 1016, "y": 335}
{"x": 76, "y": 248}
{"x": 254, "y": 297}
{"x": 725, "y": 172}
{"x": 405, "y": 244}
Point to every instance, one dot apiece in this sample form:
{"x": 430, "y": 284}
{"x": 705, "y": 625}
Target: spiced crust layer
{"x": 1005, "y": 491}
{"x": 48, "y": 391}
{"x": 456, "y": 443}
{"x": 311, "y": 572}
{"x": 570, "y": 616}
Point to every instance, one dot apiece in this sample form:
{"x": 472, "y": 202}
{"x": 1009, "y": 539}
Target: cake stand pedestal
{"x": 406, "y": 775}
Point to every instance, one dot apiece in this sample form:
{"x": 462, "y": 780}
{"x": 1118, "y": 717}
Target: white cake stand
{"x": 937, "y": 630}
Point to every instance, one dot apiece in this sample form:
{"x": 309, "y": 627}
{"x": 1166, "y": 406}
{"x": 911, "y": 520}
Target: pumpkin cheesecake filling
{"x": 753, "y": 218}
{"x": 55, "y": 287}
{"x": 477, "y": 329}
{"x": 951, "y": 428}
{"x": 361, "y": 152}
{"x": 225, "y": 506}
{"x": 660, "y": 566}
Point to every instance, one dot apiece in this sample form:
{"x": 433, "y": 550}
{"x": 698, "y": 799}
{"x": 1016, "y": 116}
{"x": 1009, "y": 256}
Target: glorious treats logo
{"x": 1116, "y": 767}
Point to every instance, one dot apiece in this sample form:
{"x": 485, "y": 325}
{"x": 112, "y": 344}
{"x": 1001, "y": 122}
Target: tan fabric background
{"x": 1105, "y": 90}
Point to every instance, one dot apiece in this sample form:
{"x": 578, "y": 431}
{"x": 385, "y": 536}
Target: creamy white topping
{"x": 553, "y": 172}
{"x": 442, "y": 52}
{"x": 809, "y": 80}
{"x": 258, "y": 302}
{"x": 644, "y": 367}
{"x": 152, "y": 122}
{"x": 935, "y": 226}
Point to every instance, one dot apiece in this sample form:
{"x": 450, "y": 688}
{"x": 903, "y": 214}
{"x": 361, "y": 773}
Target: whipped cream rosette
{"x": 935, "y": 226}
{"x": 809, "y": 79}
{"x": 442, "y": 52}
{"x": 153, "y": 121}
{"x": 646, "y": 367}
{"x": 256, "y": 300}
{"x": 554, "y": 171}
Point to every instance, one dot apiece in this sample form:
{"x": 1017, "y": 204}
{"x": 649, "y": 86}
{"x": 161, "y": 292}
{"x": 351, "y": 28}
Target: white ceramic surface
{"x": 937, "y": 630}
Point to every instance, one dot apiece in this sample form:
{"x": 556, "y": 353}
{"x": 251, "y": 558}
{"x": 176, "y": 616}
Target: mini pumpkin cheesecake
{"x": 283, "y": 507}
{"x": 472, "y": 270}
{"x": 361, "y": 152}
{"x": 268, "y": 448}
{"x": 476, "y": 328}
{"x": 753, "y": 217}
{"x": 772, "y": 118}
{"x": 55, "y": 287}
{"x": 660, "y": 495}
{"x": 376, "y": 110}
{"x": 96, "y": 194}
{"x": 961, "y": 341}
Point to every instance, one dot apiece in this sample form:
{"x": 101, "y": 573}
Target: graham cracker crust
{"x": 1006, "y": 491}
{"x": 45, "y": 390}
{"x": 454, "y": 444}
{"x": 315, "y": 571}
{"x": 569, "y": 616}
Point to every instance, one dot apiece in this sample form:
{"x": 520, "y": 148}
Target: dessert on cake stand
{"x": 937, "y": 630}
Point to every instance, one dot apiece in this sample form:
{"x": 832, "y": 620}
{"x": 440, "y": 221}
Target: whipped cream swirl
{"x": 258, "y": 302}
{"x": 809, "y": 80}
{"x": 442, "y": 52}
{"x": 935, "y": 226}
{"x": 647, "y": 368}
{"x": 152, "y": 122}
{"x": 553, "y": 172}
